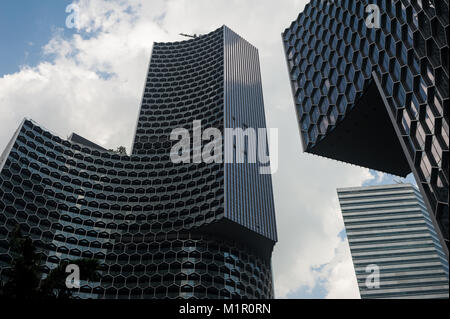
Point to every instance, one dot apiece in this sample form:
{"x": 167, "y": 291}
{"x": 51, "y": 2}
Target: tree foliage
{"x": 25, "y": 279}
{"x": 121, "y": 150}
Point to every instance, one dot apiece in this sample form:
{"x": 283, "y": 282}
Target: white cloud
{"x": 340, "y": 275}
{"x": 92, "y": 82}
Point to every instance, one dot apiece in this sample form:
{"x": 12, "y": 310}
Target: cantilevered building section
{"x": 389, "y": 227}
{"x": 216, "y": 79}
{"x": 159, "y": 229}
{"x": 374, "y": 92}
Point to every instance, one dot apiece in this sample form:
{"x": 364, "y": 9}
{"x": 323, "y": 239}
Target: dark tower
{"x": 159, "y": 229}
{"x": 376, "y": 95}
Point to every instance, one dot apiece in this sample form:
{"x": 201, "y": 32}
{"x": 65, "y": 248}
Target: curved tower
{"x": 159, "y": 229}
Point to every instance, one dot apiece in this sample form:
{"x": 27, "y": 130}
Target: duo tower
{"x": 368, "y": 92}
{"x": 370, "y": 86}
{"x": 159, "y": 229}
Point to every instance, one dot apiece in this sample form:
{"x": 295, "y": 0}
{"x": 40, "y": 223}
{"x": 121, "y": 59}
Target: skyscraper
{"x": 370, "y": 86}
{"x": 159, "y": 229}
{"x": 391, "y": 236}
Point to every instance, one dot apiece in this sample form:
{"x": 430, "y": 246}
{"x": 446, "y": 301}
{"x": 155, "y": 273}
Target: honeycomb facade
{"x": 159, "y": 229}
{"x": 376, "y": 95}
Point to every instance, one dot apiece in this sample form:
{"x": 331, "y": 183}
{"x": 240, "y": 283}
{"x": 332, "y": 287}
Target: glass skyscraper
{"x": 159, "y": 229}
{"x": 370, "y": 87}
{"x": 391, "y": 235}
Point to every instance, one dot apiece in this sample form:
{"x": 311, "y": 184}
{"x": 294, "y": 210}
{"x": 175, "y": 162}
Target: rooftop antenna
{"x": 189, "y": 36}
{"x": 398, "y": 180}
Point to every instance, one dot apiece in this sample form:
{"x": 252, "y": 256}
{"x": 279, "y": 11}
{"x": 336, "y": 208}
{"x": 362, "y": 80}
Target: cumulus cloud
{"x": 339, "y": 275}
{"x": 92, "y": 83}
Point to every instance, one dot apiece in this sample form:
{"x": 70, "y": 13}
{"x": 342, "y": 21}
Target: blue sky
{"x": 25, "y": 26}
{"x": 319, "y": 291}
{"x": 390, "y": 179}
